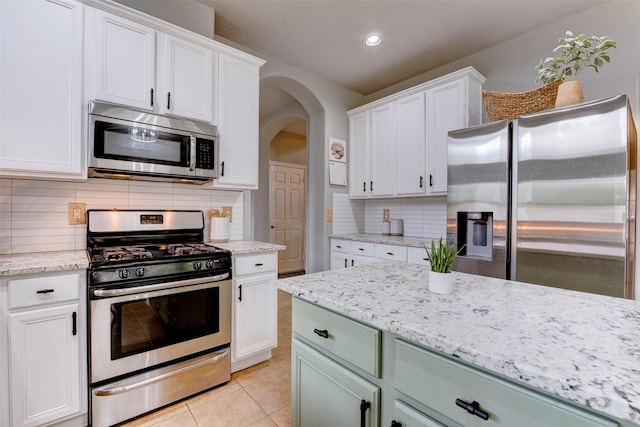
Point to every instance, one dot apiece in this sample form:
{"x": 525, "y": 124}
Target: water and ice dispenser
{"x": 475, "y": 234}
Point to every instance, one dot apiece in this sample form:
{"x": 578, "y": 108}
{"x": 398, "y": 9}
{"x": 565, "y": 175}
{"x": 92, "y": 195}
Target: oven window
{"x": 143, "y": 325}
{"x": 140, "y": 144}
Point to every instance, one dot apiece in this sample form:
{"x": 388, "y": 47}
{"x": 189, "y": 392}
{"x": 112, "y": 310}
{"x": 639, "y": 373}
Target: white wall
{"x": 34, "y": 213}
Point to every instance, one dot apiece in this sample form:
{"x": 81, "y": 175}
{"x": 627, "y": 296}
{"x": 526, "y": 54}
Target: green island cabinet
{"x": 347, "y": 373}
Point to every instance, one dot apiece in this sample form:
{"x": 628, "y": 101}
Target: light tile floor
{"x": 259, "y": 396}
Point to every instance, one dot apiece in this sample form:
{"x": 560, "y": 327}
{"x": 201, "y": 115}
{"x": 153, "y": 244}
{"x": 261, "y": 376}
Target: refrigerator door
{"x": 573, "y": 201}
{"x": 478, "y": 198}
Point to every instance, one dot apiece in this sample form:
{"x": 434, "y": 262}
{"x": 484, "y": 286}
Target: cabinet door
{"x": 121, "y": 54}
{"x": 238, "y": 128}
{"x": 359, "y": 155}
{"x": 411, "y": 143}
{"x": 446, "y": 111}
{"x": 383, "y": 150}
{"x": 361, "y": 260}
{"x": 44, "y": 364}
{"x": 41, "y": 89}
{"x": 327, "y": 394}
{"x": 340, "y": 260}
{"x": 255, "y": 316}
{"x": 186, "y": 71}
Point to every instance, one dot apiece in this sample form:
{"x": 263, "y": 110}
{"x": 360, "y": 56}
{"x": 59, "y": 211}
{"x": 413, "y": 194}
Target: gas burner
{"x": 189, "y": 249}
{"x": 125, "y": 253}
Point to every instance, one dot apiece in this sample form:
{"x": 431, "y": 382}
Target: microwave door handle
{"x": 192, "y": 153}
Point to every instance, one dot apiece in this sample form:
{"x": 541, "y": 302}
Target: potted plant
{"x": 575, "y": 53}
{"x": 441, "y": 257}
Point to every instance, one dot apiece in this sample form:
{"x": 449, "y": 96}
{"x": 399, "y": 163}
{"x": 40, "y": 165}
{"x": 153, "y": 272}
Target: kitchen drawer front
{"x": 391, "y": 252}
{"x": 338, "y": 245}
{"x": 33, "y": 291}
{"x": 352, "y": 341}
{"x": 255, "y": 263}
{"x": 418, "y": 256}
{"x": 363, "y": 248}
{"x": 438, "y": 382}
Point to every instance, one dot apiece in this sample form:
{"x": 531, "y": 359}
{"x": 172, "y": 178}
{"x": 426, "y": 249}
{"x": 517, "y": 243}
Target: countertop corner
{"x": 238, "y": 247}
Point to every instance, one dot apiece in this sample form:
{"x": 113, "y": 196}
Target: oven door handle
{"x": 125, "y": 388}
{"x": 157, "y": 287}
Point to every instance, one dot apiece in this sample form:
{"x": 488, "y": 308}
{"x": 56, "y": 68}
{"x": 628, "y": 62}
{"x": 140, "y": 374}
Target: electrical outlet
{"x": 77, "y": 213}
{"x": 227, "y": 211}
{"x": 329, "y": 215}
{"x": 385, "y": 215}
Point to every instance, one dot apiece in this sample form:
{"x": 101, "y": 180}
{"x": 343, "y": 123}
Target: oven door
{"x": 133, "y": 329}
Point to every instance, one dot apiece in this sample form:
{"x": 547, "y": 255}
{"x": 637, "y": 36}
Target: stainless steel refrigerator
{"x": 549, "y": 198}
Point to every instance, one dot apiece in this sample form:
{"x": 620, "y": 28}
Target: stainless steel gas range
{"x": 159, "y": 311}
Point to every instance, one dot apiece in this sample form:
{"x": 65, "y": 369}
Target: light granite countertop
{"x": 43, "y": 262}
{"x": 248, "y": 246}
{"x": 579, "y": 346}
{"x": 413, "y": 242}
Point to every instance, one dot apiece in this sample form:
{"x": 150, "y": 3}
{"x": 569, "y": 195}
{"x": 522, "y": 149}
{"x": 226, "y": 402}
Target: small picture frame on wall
{"x": 337, "y": 150}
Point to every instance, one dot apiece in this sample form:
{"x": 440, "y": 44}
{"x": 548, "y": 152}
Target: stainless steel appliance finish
{"x": 135, "y": 144}
{"x": 560, "y": 189}
{"x": 159, "y": 311}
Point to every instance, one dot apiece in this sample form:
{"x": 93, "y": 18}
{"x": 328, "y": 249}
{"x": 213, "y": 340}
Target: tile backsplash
{"x": 423, "y": 216}
{"x": 34, "y": 213}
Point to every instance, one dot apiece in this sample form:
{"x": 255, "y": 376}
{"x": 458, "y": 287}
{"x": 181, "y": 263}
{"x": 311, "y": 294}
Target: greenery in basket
{"x": 441, "y": 256}
{"x": 575, "y": 54}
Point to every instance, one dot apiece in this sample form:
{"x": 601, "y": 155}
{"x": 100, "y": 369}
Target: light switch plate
{"x": 228, "y": 212}
{"x": 329, "y": 215}
{"x": 385, "y": 215}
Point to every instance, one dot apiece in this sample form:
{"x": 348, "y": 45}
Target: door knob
{"x": 273, "y": 226}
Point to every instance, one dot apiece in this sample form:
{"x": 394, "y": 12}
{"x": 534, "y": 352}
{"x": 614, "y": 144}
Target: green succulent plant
{"x": 575, "y": 54}
{"x": 441, "y": 256}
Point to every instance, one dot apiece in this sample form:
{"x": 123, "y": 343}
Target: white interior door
{"x": 287, "y": 213}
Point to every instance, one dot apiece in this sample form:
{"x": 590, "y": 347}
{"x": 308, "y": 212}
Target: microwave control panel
{"x": 204, "y": 153}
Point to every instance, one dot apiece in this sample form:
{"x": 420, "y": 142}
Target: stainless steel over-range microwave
{"x": 137, "y": 144}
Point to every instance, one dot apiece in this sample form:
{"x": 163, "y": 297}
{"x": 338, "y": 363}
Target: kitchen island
{"x": 579, "y": 347}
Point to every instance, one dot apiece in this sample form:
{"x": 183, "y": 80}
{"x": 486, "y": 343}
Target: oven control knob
{"x": 140, "y": 271}
{"x": 211, "y": 263}
{"x": 197, "y": 265}
{"x": 123, "y": 274}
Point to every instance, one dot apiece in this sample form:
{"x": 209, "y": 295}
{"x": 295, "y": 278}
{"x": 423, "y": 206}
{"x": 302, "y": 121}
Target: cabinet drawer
{"x": 350, "y": 340}
{"x": 363, "y": 248}
{"x": 438, "y": 382}
{"x": 417, "y": 256}
{"x": 338, "y": 245}
{"x": 43, "y": 290}
{"x": 255, "y": 263}
{"x": 391, "y": 252}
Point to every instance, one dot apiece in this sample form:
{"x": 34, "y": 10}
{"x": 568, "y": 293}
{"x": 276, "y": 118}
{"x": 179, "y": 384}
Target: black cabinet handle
{"x": 364, "y": 186}
{"x": 168, "y": 100}
{"x": 421, "y": 181}
{"x": 390, "y": 253}
{"x": 352, "y": 263}
{"x": 338, "y": 246}
{"x": 371, "y": 186}
{"x": 321, "y": 333}
{"x": 222, "y": 171}
{"x": 259, "y": 264}
{"x": 395, "y": 423}
{"x": 345, "y": 263}
{"x": 240, "y": 293}
{"x": 361, "y": 249}
{"x": 430, "y": 180}
{"x": 364, "y": 405}
{"x": 45, "y": 291}
{"x": 472, "y": 408}
{"x": 74, "y": 323}
{"x": 152, "y": 97}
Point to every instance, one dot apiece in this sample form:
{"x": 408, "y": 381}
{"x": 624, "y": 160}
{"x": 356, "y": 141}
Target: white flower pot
{"x": 440, "y": 283}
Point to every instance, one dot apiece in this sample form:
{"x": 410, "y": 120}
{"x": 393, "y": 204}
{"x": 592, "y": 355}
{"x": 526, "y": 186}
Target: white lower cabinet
{"x": 46, "y": 360}
{"x": 351, "y": 254}
{"x": 255, "y": 309}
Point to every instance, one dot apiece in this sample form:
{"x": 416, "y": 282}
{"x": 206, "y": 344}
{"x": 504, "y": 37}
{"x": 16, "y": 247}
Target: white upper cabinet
{"x": 399, "y": 143}
{"x": 239, "y": 87}
{"x": 135, "y": 65}
{"x": 41, "y": 89}
{"x": 123, "y": 56}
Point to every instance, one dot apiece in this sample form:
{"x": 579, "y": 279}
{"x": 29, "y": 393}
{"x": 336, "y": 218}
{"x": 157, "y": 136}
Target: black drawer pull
{"x": 364, "y": 405}
{"x": 322, "y": 333}
{"x": 390, "y": 253}
{"x": 338, "y": 246}
{"x": 361, "y": 249}
{"x": 259, "y": 264}
{"x": 472, "y": 408}
{"x": 45, "y": 291}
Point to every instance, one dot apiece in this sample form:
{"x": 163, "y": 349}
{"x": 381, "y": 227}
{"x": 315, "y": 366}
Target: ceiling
{"x": 325, "y": 37}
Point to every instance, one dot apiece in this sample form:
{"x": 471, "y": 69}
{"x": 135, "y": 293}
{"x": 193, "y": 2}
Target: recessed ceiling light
{"x": 373, "y": 40}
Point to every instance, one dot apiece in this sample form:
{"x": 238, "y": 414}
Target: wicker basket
{"x": 501, "y": 105}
